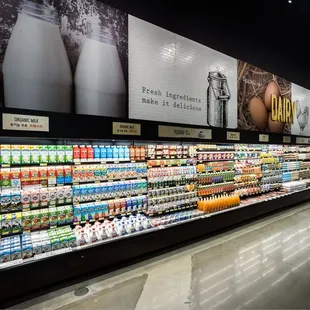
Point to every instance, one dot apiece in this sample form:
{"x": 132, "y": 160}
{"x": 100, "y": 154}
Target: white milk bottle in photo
{"x": 99, "y": 81}
{"x": 36, "y": 68}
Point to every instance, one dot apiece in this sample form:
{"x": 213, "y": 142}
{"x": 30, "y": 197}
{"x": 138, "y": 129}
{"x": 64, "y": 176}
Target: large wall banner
{"x": 64, "y": 56}
{"x": 174, "y": 79}
{"x": 88, "y": 58}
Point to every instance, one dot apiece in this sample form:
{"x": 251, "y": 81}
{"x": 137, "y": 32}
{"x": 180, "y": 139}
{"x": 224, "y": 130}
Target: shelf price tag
{"x": 184, "y": 132}
{"x": 25, "y": 122}
{"x": 233, "y": 136}
{"x": 287, "y": 139}
{"x": 302, "y": 140}
{"x": 127, "y": 129}
{"x": 263, "y": 138}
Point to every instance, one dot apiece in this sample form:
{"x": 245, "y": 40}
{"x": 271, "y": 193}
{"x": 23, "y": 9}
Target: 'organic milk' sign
{"x": 25, "y": 122}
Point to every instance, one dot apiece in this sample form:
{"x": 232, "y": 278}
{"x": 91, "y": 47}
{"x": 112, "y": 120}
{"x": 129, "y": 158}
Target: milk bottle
{"x": 99, "y": 81}
{"x": 36, "y": 68}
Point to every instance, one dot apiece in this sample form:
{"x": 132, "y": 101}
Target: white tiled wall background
{"x": 162, "y": 60}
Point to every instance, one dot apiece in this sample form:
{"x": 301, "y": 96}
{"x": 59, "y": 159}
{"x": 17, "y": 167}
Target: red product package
{"x": 43, "y": 175}
{"x": 51, "y": 175}
{"x": 83, "y": 151}
{"x": 90, "y": 152}
{"x": 76, "y": 152}
{"x": 25, "y": 176}
{"x": 34, "y": 176}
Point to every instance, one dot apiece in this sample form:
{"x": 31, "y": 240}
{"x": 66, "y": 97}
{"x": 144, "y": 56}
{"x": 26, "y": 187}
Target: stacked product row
{"x": 44, "y": 187}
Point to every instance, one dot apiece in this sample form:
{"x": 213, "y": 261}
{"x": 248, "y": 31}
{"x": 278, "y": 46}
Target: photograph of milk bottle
{"x": 64, "y": 56}
{"x": 99, "y": 81}
{"x": 36, "y": 70}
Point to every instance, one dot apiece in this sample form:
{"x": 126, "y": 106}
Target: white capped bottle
{"x": 99, "y": 81}
{"x": 36, "y": 69}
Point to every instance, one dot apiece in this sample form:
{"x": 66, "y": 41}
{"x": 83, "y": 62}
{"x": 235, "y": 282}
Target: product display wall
{"x": 61, "y": 198}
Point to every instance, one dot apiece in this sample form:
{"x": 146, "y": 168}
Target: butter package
{"x": 5, "y": 154}
{"x": 25, "y": 154}
{"x": 43, "y": 157}
{"x": 15, "y": 154}
{"x": 34, "y": 154}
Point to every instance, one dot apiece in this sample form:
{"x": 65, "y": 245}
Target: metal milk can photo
{"x": 218, "y": 95}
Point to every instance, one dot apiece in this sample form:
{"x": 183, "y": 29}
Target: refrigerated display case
{"x": 71, "y": 207}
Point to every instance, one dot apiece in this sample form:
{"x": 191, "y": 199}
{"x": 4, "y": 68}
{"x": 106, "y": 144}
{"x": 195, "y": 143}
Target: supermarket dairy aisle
{"x": 263, "y": 265}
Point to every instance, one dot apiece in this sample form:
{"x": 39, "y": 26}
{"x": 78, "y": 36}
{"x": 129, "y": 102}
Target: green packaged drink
{"x": 68, "y": 153}
{"x": 61, "y": 154}
{"x": 5, "y": 154}
{"x": 52, "y": 154}
{"x": 43, "y": 157}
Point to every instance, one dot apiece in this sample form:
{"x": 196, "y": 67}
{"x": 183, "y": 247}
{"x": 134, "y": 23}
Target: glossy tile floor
{"x": 264, "y": 265}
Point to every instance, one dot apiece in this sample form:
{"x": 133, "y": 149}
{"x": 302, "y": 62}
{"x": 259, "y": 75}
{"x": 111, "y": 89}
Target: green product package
{"x": 52, "y": 154}
{"x": 68, "y": 153}
{"x": 43, "y": 157}
{"x": 61, "y": 154}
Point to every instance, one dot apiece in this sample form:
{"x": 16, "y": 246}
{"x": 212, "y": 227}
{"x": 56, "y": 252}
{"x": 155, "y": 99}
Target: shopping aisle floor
{"x": 264, "y": 265}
